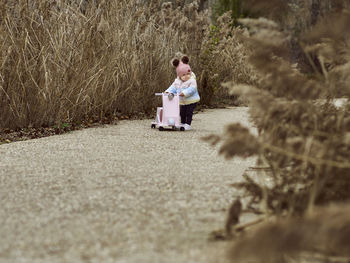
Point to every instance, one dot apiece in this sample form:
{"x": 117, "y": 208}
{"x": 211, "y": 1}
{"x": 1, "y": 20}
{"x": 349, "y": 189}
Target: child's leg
{"x": 183, "y": 113}
{"x": 189, "y": 112}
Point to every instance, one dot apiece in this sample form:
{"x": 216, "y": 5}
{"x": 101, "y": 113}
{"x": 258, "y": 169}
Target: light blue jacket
{"x": 188, "y": 88}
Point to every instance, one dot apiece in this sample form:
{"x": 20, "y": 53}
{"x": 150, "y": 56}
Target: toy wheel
{"x": 161, "y": 128}
{"x": 182, "y": 129}
{"x": 153, "y": 126}
{"x": 174, "y": 128}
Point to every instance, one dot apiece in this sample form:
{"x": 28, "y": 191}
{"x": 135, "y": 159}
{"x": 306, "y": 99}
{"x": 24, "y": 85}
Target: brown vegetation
{"x": 303, "y": 136}
{"x": 65, "y": 63}
{"x": 303, "y": 144}
{"x": 323, "y": 236}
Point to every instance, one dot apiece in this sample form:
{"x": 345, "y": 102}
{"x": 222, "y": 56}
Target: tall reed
{"x": 62, "y": 61}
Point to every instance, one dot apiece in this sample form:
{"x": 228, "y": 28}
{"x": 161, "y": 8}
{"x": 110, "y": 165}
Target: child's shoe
{"x": 187, "y": 127}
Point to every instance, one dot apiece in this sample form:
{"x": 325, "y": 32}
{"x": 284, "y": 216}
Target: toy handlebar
{"x": 161, "y": 93}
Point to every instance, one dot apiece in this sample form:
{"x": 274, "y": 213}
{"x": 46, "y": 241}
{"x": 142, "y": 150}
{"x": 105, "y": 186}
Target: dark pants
{"x": 186, "y": 112}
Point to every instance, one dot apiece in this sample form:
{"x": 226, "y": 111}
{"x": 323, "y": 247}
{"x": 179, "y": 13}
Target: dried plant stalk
{"x": 67, "y": 61}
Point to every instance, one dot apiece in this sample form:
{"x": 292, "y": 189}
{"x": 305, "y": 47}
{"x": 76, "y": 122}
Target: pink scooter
{"x": 168, "y": 116}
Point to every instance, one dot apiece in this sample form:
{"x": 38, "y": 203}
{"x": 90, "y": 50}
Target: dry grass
{"x": 63, "y": 62}
{"x": 60, "y": 65}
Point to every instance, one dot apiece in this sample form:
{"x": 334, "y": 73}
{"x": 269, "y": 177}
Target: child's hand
{"x": 181, "y": 94}
{"x": 170, "y": 96}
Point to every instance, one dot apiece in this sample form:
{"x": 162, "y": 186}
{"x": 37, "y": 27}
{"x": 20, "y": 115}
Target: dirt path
{"x": 124, "y": 193}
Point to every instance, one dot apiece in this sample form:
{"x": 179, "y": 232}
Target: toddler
{"x": 186, "y": 86}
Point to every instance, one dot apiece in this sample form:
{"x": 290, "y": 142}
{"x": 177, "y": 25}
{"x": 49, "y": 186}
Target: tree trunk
{"x": 315, "y": 11}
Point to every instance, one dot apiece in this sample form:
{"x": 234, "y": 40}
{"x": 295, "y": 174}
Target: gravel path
{"x": 123, "y": 193}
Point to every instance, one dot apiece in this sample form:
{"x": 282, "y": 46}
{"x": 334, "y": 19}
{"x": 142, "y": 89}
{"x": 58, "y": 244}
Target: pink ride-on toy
{"x": 168, "y": 116}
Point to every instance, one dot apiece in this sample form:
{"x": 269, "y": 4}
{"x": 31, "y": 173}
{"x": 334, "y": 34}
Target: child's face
{"x": 186, "y": 76}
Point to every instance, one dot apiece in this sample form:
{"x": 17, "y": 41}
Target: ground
{"x": 118, "y": 193}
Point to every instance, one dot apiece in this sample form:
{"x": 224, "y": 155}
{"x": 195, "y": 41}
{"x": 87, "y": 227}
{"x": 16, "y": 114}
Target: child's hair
{"x": 181, "y": 66}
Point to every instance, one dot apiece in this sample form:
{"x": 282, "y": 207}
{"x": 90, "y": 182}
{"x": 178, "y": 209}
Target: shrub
{"x": 320, "y": 237}
{"x": 235, "y": 8}
{"x": 223, "y": 58}
{"x": 303, "y": 143}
